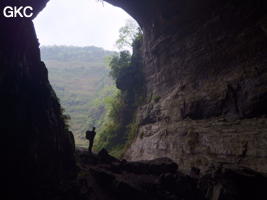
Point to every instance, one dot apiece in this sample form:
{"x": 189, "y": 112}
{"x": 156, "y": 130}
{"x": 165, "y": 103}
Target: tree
{"x": 127, "y": 34}
{"x": 119, "y": 64}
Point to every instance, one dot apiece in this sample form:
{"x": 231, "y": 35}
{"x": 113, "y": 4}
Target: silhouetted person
{"x": 90, "y": 135}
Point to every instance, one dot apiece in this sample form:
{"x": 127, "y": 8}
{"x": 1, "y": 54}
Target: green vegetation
{"x": 149, "y": 97}
{"x": 63, "y": 116}
{"x": 66, "y": 118}
{"x": 199, "y": 161}
{"x": 156, "y": 98}
{"x": 128, "y": 33}
{"x": 108, "y": 137}
{"x": 91, "y": 54}
{"x": 120, "y": 124}
{"x": 120, "y": 64}
{"x": 131, "y": 131}
{"x": 192, "y": 138}
{"x": 114, "y": 137}
{"x": 182, "y": 87}
{"x": 80, "y": 79}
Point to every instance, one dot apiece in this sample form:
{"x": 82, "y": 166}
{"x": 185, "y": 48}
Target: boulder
{"x": 137, "y": 167}
{"x": 114, "y": 168}
{"x": 182, "y": 184}
{"x": 123, "y": 188}
{"x": 156, "y": 166}
{"x": 104, "y": 157}
{"x": 162, "y": 165}
{"x": 194, "y": 172}
{"x": 233, "y": 183}
{"x": 103, "y": 177}
{"x": 166, "y": 180}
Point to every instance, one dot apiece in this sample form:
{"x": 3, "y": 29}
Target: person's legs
{"x": 91, "y": 142}
{"x": 89, "y": 146}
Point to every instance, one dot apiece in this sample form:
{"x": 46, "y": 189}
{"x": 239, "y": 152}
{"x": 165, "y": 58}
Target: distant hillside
{"x": 80, "y": 79}
{"x": 89, "y": 54}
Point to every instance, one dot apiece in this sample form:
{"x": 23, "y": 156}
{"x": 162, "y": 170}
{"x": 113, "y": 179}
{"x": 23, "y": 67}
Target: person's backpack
{"x": 88, "y": 135}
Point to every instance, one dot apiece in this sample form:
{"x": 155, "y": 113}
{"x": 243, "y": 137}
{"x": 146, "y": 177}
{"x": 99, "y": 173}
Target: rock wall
{"x": 35, "y": 150}
{"x": 205, "y": 71}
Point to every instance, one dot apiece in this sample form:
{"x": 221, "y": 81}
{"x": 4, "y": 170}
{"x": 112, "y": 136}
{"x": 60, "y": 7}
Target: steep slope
{"x": 205, "y": 63}
{"x": 81, "y": 80}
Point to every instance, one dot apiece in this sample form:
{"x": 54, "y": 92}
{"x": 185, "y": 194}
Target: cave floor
{"x": 94, "y": 175}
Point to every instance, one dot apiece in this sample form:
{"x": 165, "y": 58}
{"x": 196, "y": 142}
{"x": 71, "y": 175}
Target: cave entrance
{"x": 79, "y": 23}
{"x": 75, "y": 37}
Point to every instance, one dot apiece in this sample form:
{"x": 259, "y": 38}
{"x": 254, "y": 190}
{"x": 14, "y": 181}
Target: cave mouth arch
{"x": 81, "y": 23}
{"x": 77, "y": 29}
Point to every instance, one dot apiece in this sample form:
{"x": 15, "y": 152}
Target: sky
{"x": 80, "y": 23}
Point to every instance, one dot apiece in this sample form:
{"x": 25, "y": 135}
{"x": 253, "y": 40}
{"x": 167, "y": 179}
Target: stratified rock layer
{"x": 200, "y": 143}
{"x": 203, "y": 60}
{"x": 211, "y": 54}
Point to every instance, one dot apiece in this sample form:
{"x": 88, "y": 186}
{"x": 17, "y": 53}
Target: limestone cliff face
{"x": 205, "y": 67}
{"x": 35, "y": 150}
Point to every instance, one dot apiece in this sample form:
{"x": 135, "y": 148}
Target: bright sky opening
{"x": 80, "y": 23}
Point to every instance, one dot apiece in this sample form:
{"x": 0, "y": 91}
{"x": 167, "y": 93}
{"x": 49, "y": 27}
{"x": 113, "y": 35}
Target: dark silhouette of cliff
{"x": 35, "y": 149}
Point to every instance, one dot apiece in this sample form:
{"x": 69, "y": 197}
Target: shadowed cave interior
{"x": 204, "y": 138}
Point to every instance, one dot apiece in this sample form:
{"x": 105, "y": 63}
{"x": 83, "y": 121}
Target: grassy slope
{"x": 81, "y": 87}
